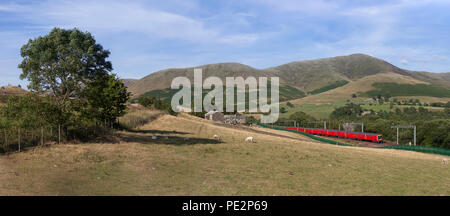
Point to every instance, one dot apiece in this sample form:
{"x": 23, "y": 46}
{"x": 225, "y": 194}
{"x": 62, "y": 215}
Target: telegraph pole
{"x": 406, "y": 126}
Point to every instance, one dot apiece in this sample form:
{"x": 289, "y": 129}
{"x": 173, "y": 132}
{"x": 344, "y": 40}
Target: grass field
{"x": 395, "y": 89}
{"x": 131, "y": 163}
{"x": 323, "y": 111}
{"x": 318, "y": 111}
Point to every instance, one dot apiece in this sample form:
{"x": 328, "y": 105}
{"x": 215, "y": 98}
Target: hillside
{"x": 131, "y": 163}
{"x": 359, "y": 86}
{"x": 162, "y": 79}
{"x": 128, "y": 82}
{"x": 12, "y": 90}
{"x": 311, "y": 74}
{"x": 315, "y": 76}
{"x": 6, "y": 91}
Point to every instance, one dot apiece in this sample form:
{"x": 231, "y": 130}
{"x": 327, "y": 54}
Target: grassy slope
{"x": 286, "y": 93}
{"x": 362, "y": 85}
{"x": 138, "y": 165}
{"x": 395, "y": 89}
{"x": 163, "y": 79}
{"x": 321, "y": 105}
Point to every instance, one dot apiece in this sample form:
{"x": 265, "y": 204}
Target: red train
{"x": 341, "y": 134}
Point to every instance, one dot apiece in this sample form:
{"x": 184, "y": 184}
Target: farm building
{"x": 234, "y": 119}
{"x": 214, "y": 116}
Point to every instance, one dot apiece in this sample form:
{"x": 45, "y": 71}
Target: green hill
{"x": 312, "y": 76}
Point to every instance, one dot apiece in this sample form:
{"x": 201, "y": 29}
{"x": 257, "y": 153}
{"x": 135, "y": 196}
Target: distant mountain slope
{"x": 442, "y": 79}
{"x": 12, "y": 90}
{"x": 162, "y": 79}
{"x": 129, "y": 82}
{"x": 357, "y": 87}
{"x": 307, "y": 76}
{"x": 312, "y": 74}
{"x": 6, "y": 91}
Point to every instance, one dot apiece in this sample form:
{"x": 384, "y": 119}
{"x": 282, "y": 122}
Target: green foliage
{"x": 156, "y": 103}
{"x": 434, "y": 133}
{"x": 283, "y": 110}
{"x": 30, "y": 111}
{"x": 301, "y": 117}
{"x": 289, "y": 104}
{"x": 395, "y": 89}
{"x": 250, "y": 120}
{"x": 346, "y": 112}
{"x": 288, "y": 93}
{"x": 433, "y": 128}
{"x": 62, "y": 62}
{"x": 105, "y": 98}
{"x": 337, "y": 84}
{"x": 72, "y": 67}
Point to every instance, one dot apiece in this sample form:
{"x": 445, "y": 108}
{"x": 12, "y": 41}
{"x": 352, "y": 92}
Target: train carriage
{"x": 374, "y": 137}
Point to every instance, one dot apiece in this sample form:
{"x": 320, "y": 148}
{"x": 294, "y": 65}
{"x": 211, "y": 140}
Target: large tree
{"x": 63, "y": 63}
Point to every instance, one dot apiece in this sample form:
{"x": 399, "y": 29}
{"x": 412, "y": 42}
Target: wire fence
{"x": 17, "y": 139}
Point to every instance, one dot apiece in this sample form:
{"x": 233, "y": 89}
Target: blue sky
{"x": 147, "y": 36}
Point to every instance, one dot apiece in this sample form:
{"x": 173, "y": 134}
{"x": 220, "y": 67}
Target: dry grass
{"x": 138, "y": 165}
{"x": 137, "y": 117}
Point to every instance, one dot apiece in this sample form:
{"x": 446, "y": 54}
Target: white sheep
{"x": 444, "y": 161}
{"x": 249, "y": 139}
{"x": 186, "y": 138}
{"x": 216, "y": 137}
{"x": 154, "y": 137}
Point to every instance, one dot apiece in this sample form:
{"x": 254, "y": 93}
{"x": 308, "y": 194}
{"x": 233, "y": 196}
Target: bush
{"x": 301, "y": 117}
{"x": 250, "y": 120}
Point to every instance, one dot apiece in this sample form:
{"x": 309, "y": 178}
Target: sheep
{"x": 166, "y": 137}
{"x": 216, "y": 137}
{"x": 186, "y": 138}
{"x": 154, "y": 137}
{"x": 444, "y": 161}
{"x": 249, "y": 139}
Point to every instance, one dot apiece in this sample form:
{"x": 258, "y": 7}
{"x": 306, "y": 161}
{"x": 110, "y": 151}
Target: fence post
{"x": 42, "y": 136}
{"x": 19, "y": 137}
{"x": 5, "y": 143}
{"x": 59, "y": 133}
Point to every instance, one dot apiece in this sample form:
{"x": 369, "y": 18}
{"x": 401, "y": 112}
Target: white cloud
{"x": 121, "y": 17}
{"x": 305, "y": 6}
